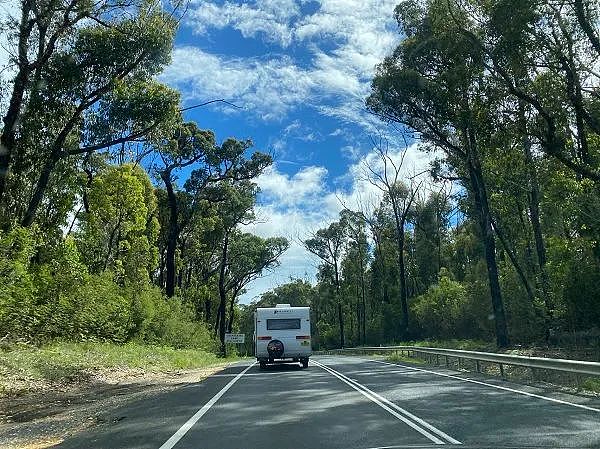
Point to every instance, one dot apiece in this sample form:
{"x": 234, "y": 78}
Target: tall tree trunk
{"x": 402, "y": 280}
{"x": 339, "y": 303}
{"x": 13, "y": 113}
{"x": 400, "y": 239}
{"x": 172, "y": 235}
{"x": 400, "y": 217}
{"x": 487, "y": 234}
{"x": 534, "y": 214}
{"x": 515, "y": 262}
{"x": 40, "y": 189}
{"x": 231, "y": 309}
{"x": 223, "y": 296}
{"x": 363, "y": 299}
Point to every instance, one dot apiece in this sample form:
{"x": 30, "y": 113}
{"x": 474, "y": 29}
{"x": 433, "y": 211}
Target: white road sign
{"x": 235, "y": 338}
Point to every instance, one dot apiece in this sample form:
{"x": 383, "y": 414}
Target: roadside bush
{"x": 101, "y": 310}
{"x": 450, "y": 309}
{"x": 437, "y": 309}
{"x": 47, "y": 294}
{"x": 171, "y": 323}
{"x": 18, "y": 311}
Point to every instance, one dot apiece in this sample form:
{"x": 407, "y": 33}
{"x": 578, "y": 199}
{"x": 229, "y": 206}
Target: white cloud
{"x": 271, "y": 18}
{"x": 269, "y": 87}
{"x": 351, "y": 152}
{"x": 344, "y": 40}
{"x": 290, "y": 191}
{"x": 294, "y": 206}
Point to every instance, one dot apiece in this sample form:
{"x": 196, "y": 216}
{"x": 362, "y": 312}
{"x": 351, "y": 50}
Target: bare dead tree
{"x": 399, "y": 192}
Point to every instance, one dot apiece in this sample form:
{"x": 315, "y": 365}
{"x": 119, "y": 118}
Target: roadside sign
{"x": 235, "y": 338}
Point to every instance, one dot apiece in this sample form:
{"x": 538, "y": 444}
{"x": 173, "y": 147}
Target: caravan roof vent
{"x": 281, "y": 306}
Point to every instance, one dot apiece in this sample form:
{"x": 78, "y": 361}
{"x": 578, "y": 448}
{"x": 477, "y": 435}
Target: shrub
{"x": 450, "y": 309}
{"x": 46, "y": 293}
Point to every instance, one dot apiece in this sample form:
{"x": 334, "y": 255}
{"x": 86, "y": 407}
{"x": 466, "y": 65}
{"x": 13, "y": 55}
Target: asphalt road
{"x": 348, "y": 402}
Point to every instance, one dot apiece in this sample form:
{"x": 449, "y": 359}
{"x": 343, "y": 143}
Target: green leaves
{"x": 119, "y": 232}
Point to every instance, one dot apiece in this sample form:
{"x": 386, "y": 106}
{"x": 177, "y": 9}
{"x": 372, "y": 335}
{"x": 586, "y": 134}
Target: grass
{"x": 465, "y": 345}
{"x": 397, "y": 357}
{"x": 591, "y": 385}
{"x": 68, "y": 362}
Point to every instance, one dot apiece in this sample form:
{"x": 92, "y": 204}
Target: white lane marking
{"x": 405, "y": 420}
{"x": 190, "y": 422}
{"x": 499, "y": 387}
{"x": 399, "y": 409}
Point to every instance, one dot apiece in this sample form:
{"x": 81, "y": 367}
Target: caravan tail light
{"x": 302, "y": 337}
{"x": 264, "y": 338}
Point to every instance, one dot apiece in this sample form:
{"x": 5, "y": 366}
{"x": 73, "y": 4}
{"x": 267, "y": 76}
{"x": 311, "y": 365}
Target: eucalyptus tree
{"x": 328, "y": 245}
{"x": 120, "y": 229}
{"x": 357, "y": 260}
{"x": 249, "y": 256}
{"x": 243, "y": 257}
{"x": 385, "y": 175}
{"x": 84, "y": 82}
{"x": 189, "y": 146}
{"x": 433, "y": 83}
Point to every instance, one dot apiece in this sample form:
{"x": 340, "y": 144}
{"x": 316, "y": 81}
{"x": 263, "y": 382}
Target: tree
{"x": 249, "y": 257}
{"x": 328, "y": 244}
{"x": 81, "y": 86}
{"x": 400, "y": 198}
{"x": 190, "y": 146}
{"x": 357, "y": 260}
{"x": 430, "y": 221}
{"x": 120, "y": 229}
{"x": 432, "y": 84}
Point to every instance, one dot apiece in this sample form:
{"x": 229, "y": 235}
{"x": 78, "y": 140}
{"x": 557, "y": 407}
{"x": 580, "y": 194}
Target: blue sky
{"x": 300, "y": 71}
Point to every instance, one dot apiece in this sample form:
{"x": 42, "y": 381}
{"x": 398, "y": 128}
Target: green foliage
{"x": 442, "y": 311}
{"x": 46, "y": 293}
{"x": 119, "y": 232}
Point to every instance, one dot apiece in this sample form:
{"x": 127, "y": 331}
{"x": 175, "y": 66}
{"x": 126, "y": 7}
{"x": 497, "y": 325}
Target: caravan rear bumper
{"x": 286, "y": 359}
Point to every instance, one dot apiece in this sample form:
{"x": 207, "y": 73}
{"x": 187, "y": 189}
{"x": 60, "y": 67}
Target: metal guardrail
{"x": 564, "y": 365}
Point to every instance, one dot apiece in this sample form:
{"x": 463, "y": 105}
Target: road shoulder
{"x": 44, "y": 418}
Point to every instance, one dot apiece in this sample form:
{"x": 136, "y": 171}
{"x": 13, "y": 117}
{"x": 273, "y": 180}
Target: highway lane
{"x": 346, "y": 402}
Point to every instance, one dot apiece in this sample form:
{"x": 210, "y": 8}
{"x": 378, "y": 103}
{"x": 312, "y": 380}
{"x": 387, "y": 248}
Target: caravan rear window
{"x": 283, "y": 324}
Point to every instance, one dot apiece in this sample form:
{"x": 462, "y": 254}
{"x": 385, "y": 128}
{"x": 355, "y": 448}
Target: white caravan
{"x": 282, "y": 334}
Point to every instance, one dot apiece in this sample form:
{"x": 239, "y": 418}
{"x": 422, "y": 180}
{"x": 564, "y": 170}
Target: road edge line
{"x": 178, "y": 435}
{"x": 499, "y": 387}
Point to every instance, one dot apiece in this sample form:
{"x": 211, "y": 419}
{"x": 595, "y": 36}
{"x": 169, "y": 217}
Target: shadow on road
{"x": 282, "y": 367}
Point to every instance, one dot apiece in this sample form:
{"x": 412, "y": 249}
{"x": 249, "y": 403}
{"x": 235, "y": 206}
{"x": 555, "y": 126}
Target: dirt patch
{"x": 45, "y": 414}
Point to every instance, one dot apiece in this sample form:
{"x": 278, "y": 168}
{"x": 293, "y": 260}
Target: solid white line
{"x": 190, "y": 422}
{"x": 499, "y": 387}
{"x": 400, "y": 409}
{"x": 422, "y": 431}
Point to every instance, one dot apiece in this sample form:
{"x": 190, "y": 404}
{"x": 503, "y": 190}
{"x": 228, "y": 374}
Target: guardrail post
{"x": 477, "y": 366}
{"x": 437, "y": 359}
{"x": 447, "y": 362}
{"x": 501, "y": 370}
{"x": 459, "y": 363}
